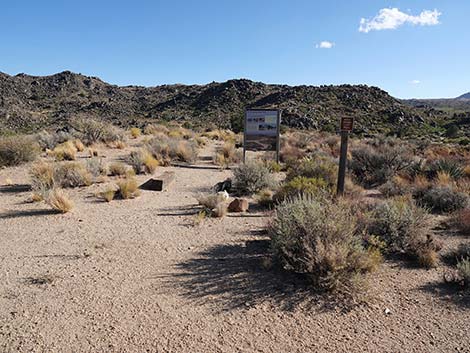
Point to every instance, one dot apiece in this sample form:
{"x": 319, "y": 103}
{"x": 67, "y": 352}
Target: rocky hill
{"x": 29, "y": 103}
{"x": 464, "y": 96}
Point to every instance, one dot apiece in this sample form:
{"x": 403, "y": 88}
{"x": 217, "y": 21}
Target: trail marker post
{"x": 346, "y": 127}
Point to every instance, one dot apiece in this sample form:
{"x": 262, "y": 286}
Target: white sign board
{"x": 262, "y": 130}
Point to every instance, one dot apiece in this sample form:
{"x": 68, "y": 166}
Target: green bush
{"x": 251, "y": 177}
{"x": 319, "y": 239}
{"x": 302, "y": 186}
{"x": 404, "y": 228}
{"x": 441, "y": 199}
{"x": 92, "y": 131}
{"x": 15, "y": 150}
{"x": 315, "y": 167}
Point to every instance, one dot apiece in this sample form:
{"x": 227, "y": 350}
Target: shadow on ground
{"x": 232, "y": 276}
{"x": 15, "y": 188}
{"x": 29, "y": 213}
{"x": 449, "y": 293}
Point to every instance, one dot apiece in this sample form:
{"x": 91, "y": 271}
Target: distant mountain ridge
{"x": 30, "y": 103}
{"x": 464, "y": 96}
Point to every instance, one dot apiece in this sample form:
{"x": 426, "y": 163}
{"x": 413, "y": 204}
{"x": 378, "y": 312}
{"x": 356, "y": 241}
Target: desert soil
{"x": 137, "y": 275}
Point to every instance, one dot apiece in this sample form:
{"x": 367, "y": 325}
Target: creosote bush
{"x": 92, "y": 131}
{"x": 319, "y": 238}
{"x": 15, "y": 150}
{"x": 405, "y": 228}
{"x": 251, "y": 177}
{"x": 314, "y": 167}
{"x": 72, "y": 175}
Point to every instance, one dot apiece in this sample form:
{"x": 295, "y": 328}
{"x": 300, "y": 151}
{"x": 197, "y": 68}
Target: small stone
{"x": 238, "y": 205}
{"x": 387, "y": 311}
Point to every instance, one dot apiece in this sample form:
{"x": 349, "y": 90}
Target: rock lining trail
{"x": 136, "y": 275}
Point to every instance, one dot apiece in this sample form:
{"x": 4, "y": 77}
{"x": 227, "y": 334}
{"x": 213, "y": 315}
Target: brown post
{"x": 345, "y": 127}
{"x": 342, "y": 162}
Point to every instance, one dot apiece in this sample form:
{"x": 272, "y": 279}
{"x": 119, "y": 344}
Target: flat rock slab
{"x": 161, "y": 183}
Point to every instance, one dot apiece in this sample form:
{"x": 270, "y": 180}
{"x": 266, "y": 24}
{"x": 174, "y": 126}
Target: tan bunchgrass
{"x": 79, "y": 145}
{"x": 443, "y": 179}
{"x": 59, "y": 201}
{"x": 135, "y": 132}
{"x": 117, "y": 169}
{"x": 65, "y": 151}
{"x": 128, "y": 188}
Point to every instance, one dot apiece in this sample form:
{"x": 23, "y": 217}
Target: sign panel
{"x": 262, "y": 130}
{"x": 347, "y": 124}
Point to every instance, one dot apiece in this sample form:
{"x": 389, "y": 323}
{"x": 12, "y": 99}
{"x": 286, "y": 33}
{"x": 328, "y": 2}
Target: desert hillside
{"x": 29, "y": 103}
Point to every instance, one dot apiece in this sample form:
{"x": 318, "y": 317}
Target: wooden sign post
{"x": 346, "y": 127}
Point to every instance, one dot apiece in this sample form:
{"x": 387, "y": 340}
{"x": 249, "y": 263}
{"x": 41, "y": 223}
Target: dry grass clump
{"x": 441, "y": 199}
{"x": 135, "y": 132}
{"x": 397, "y": 186}
{"x": 180, "y": 132}
{"x": 265, "y": 198}
{"x": 142, "y": 161}
{"x": 66, "y": 151}
{"x": 128, "y": 188}
{"x": 118, "y": 169}
{"x": 79, "y": 145}
{"x": 15, "y": 150}
{"x": 59, "y": 201}
{"x": 72, "y": 175}
{"x": 153, "y": 129}
{"x": 405, "y": 228}
{"x": 42, "y": 177}
{"x": 253, "y": 176}
{"x": 166, "y": 149}
{"x": 319, "y": 239}
{"x": 214, "y": 205}
{"x": 108, "y": 194}
{"x": 221, "y": 135}
{"x": 227, "y": 155}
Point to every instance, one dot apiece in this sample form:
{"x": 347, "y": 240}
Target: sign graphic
{"x": 262, "y": 130}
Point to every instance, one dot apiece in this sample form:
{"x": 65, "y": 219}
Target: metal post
{"x": 278, "y": 137}
{"x": 342, "y": 162}
{"x": 244, "y": 136}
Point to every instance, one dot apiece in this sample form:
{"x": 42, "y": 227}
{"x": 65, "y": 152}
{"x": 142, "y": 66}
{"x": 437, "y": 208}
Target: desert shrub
{"x": 92, "y": 131}
{"x": 451, "y": 167}
{"x": 319, "y": 239}
{"x": 461, "y": 221}
{"x": 441, "y": 199}
{"x": 290, "y": 154}
{"x": 251, "y": 177}
{"x": 314, "y": 167}
{"x": 107, "y": 194}
{"x": 372, "y": 167}
{"x": 15, "y": 150}
{"x": 227, "y": 155}
{"x": 128, "y": 188}
{"x": 135, "y": 132}
{"x": 404, "y": 227}
{"x": 302, "y": 186}
{"x": 463, "y": 269}
{"x": 72, "y": 175}
{"x": 183, "y": 151}
{"x": 166, "y": 150}
{"x": 79, "y": 145}
{"x": 96, "y": 167}
{"x": 48, "y": 140}
{"x": 59, "y": 201}
{"x": 42, "y": 177}
{"x": 397, "y": 186}
{"x": 153, "y": 129}
{"x": 265, "y": 198}
{"x": 65, "y": 151}
{"x": 142, "y": 161}
{"x": 118, "y": 169}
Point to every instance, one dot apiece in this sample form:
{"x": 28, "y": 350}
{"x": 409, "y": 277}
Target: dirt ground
{"x": 138, "y": 276}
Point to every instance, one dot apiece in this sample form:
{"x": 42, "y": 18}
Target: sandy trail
{"x": 136, "y": 275}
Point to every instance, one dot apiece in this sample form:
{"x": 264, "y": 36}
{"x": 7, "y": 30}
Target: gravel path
{"x": 136, "y": 275}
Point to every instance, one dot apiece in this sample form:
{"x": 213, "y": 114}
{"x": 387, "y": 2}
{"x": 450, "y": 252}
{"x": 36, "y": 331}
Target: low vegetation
{"x": 319, "y": 238}
{"x": 59, "y": 201}
{"x": 16, "y": 150}
{"x": 252, "y": 177}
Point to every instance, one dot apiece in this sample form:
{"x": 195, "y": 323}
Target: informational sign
{"x": 347, "y": 124}
{"x": 262, "y": 130}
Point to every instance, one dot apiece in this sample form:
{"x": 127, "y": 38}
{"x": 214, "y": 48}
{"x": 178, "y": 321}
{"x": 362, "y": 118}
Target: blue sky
{"x": 407, "y": 52}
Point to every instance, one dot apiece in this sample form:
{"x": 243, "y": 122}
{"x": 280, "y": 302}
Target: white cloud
{"x": 325, "y": 45}
{"x": 415, "y": 82}
{"x": 392, "y": 18}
